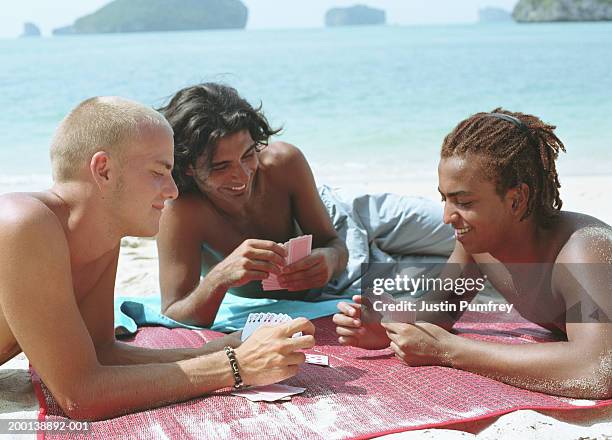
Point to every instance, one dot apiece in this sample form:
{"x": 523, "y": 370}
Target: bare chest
{"x": 89, "y": 278}
{"x": 270, "y": 219}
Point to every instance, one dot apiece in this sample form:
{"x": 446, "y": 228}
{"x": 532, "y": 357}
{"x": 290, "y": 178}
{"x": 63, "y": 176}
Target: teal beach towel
{"x": 134, "y": 312}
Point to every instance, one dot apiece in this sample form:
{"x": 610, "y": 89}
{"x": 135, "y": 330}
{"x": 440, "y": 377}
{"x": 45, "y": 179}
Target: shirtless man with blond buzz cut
{"x": 112, "y": 161}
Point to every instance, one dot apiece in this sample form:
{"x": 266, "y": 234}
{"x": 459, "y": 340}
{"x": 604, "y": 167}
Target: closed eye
{"x": 251, "y": 151}
{"x": 464, "y": 205}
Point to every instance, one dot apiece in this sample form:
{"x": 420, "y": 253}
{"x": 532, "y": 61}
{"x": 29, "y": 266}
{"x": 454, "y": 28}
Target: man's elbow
{"x": 593, "y": 388}
{"x": 84, "y": 405}
{"x": 593, "y": 383}
{"x": 178, "y": 313}
{"x": 601, "y": 388}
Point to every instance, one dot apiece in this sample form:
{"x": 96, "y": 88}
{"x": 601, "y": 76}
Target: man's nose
{"x": 450, "y": 215}
{"x": 170, "y": 189}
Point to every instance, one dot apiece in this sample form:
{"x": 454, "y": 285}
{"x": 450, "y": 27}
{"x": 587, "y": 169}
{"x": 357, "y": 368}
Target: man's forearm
{"x": 109, "y": 391}
{"x": 561, "y": 368}
{"x": 199, "y": 307}
{"x": 119, "y": 353}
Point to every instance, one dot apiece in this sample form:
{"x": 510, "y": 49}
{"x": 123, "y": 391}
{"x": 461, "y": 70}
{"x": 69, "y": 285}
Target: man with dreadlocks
{"x": 500, "y": 188}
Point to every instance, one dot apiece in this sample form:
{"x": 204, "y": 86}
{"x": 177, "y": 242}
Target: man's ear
{"x": 100, "y": 168}
{"x": 519, "y": 196}
{"x": 190, "y": 171}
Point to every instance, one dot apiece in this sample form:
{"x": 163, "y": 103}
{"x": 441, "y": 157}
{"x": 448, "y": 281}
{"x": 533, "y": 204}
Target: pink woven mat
{"x": 363, "y": 394}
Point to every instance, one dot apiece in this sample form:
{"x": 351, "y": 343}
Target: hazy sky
{"x": 262, "y": 13}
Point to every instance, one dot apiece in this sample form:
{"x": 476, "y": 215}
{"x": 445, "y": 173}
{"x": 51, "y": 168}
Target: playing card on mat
{"x": 317, "y": 359}
{"x": 269, "y": 393}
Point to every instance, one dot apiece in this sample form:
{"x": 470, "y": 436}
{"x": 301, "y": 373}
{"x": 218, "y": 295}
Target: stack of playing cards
{"x": 297, "y": 248}
{"x": 256, "y": 320}
{"x": 269, "y": 393}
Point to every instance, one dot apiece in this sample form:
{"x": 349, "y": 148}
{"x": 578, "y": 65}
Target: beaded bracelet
{"x": 229, "y": 351}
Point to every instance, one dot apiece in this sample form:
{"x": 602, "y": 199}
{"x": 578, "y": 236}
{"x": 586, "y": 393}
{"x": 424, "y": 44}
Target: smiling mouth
{"x": 460, "y": 232}
{"x": 236, "y": 190}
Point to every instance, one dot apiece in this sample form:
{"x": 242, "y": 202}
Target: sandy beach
{"x": 138, "y": 272}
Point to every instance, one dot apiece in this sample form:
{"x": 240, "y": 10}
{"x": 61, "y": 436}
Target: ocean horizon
{"x": 365, "y": 103}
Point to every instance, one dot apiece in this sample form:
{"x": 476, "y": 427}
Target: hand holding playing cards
{"x": 252, "y": 260}
{"x": 419, "y": 344}
{"x": 351, "y": 329}
{"x": 271, "y": 355}
{"x": 310, "y": 272}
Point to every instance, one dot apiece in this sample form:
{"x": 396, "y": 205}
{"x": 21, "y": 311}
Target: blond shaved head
{"x": 107, "y": 124}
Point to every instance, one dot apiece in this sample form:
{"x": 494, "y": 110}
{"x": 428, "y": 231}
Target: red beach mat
{"x": 363, "y": 394}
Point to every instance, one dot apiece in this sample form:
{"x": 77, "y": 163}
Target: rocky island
{"x": 493, "y": 15}
{"x": 355, "y": 15}
{"x": 160, "y": 15}
{"x": 562, "y": 10}
{"x": 30, "y": 30}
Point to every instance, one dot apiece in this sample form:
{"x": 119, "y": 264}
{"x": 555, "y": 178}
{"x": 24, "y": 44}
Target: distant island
{"x": 160, "y": 15}
{"x": 30, "y": 30}
{"x": 493, "y": 15}
{"x": 354, "y": 15}
{"x": 562, "y": 10}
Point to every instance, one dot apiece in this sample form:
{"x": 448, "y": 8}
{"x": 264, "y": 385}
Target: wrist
{"x": 235, "y": 369}
{"x": 450, "y": 350}
{"x": 332, "y": 256}
{"x": 244, "y": 373}
{"x": 218, "y": 282}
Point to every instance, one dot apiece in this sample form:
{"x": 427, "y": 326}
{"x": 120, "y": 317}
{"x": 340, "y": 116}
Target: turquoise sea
{"x": 364, "y": 101}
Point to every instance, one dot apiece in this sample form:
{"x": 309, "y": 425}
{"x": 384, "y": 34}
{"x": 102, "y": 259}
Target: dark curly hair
{"x": 200, "y": 116}
{"x": 516, "y": 148}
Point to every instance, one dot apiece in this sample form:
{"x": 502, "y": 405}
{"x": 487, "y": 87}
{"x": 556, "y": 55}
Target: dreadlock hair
{"x": 515, "y": 148}
{"x": 200, "y": 116}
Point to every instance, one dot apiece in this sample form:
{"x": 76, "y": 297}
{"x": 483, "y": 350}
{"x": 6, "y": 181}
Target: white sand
{"x": 138, "y": 272}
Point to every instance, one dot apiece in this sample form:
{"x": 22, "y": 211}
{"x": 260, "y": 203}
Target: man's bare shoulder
{"x": 281, "y": 154}
{"x": 31, "y": 235}
{"x": 25, "y": 212}
{"x": 31, "y": 229}
{"x": 589, "y": 240}
{"x": 285, "y": 165}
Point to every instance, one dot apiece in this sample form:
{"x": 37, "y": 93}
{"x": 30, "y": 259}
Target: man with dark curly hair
{"x": 239, "y": 197}
{"x": 236, "y": 202}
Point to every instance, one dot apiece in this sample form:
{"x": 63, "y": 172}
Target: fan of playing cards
{"x": 275, "y": 392}
{"x": 256, "y": 320}
{"x": 297, "y": 248}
